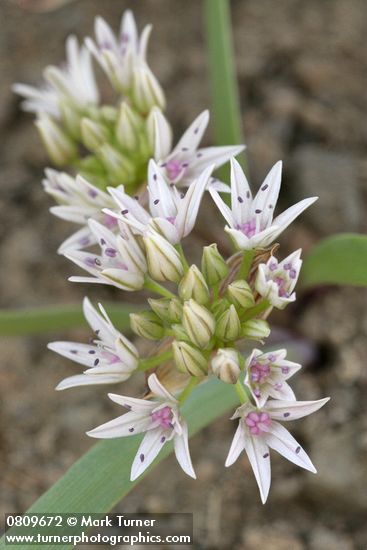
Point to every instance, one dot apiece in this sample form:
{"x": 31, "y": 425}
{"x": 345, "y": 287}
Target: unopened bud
{"x": 127, "y": 127}
{"x": 189, "y": 359}
{"x": 109, "y": 113}
{"x": 198, "y": 322}
{"x": 147, "y": 324}
{"x": 159, "y": 134}
{"x": 160, "y": 306}
{"x": 94, "y": 135}
{"x": 60, "y": 147}
{"x": 225, "y": 365}
{"x": 219, "y": 307}
{"x": 240, "y": 294}
{"x": 228, "y": 326}
{"x": 180, "y": 333}
{"x": 117, "y": 164}
{"x": 175, "y": 310}
{"x": 193, "y": 285}
{"x": 147, "y": 91}
{"x": 213, "y": 265}
{"x": 255, "y": 329}
{"x": 70, "y": 118}
{"x": 164, "y": 261}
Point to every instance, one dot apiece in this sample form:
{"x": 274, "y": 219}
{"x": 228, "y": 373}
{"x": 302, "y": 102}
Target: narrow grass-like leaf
{"x": 224, "y": 90}
{"x": 20, "y": 322}
{"x": 100, "y": 479}
{"x": 340, "y": 259}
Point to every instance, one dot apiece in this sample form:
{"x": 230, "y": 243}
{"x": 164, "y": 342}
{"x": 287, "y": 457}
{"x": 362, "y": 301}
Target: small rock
{"x": 324, "y": 539}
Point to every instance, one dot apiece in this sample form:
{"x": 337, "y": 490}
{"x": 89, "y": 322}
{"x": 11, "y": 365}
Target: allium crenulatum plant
{"x": 136, "y": 198}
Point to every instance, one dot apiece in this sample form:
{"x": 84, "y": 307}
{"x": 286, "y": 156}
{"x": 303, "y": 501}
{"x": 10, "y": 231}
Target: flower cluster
{"x": 137, "y": 199}
{"x": 111, "y": 144}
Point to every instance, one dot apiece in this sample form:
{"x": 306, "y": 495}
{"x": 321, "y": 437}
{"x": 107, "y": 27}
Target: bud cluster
{"x": 202, "y": 316}
{"x": 118, "y": 139}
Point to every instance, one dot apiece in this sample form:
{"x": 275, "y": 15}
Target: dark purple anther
{"x": 111, "y": 252}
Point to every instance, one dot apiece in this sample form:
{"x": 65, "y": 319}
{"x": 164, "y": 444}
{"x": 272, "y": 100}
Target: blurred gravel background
{"x": 302, "y": 70}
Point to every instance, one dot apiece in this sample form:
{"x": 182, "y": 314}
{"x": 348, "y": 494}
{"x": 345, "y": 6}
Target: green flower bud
{"x": 146, "y": 90}
{"x": 228, "y": 325}
{"x": 127, "y": 127}
{"x": 109, "y": 114}
{"x": 94, "y": 135}
{"x": 118, "y": 165}
{"x": 213, "y": 265}
{"x": 70, "y": 118}
{"x": 240, "y": 294}
{"x": 226, "y": 366}
{"x": 159, "y": 133}
{"x": 198, "y": 322}
{"x": 160, "y": 306}
{"x": 164, "y": 261}
{"x": 180, "y": 333}
{"x": 175, "y": 310}
{"x": 255, "y": 329}
{"x": 189, "y": 359}
{"x": 147, "y": 324}
{"x": 193, "y": 285}
{"x": 219, "y": 307}
{"x": 60, "y": 147}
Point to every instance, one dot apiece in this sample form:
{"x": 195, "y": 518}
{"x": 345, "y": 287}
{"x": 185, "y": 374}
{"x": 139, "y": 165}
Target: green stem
{"x": 223, "y": 81}
{"x": 150, "y": 362}
{"x": 248, "y": 256}
{"x": 190, "y": 386}
{"x": 149, "y": 284}
{"x": 183, "y": 257}
{"x": 255, "y": 311}
{"x": 241, "y": 392}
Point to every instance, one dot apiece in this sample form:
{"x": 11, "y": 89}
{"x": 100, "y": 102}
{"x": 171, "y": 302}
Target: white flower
{"x": 44, "y": 99}
{"x": 250, "y": 221}
{"x": 161, "y": 421}
{"x": 124, "y": 60}
{"x": 121, "y": 262}
{"x": 74, "y": 83}
{"x": 185, "y": 161}
{"x": 78, "y": 201}
{"x": 266, "y": 375}
{"x": 258, "y": 430}
{"x": 276, "y": 281}
{"x": 110, "y": 357}
{"x": 172, "y": 213}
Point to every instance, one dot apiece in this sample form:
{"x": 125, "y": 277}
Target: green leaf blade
{"x": 340, "y": 259}
{"x": 28, "y": 321}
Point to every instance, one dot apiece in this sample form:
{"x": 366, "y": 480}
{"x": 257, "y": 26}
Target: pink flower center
{"x": 163, "y": 416}
{"x": 257, "y": 422}
{"x": 110, "y": 357}
{"x": 259, "y": 372}
{"x": 109, "y": 221}
{"x": 174, "y": 168}
{"x": 282, "y": 291}
{"x": 248, "y": 228}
